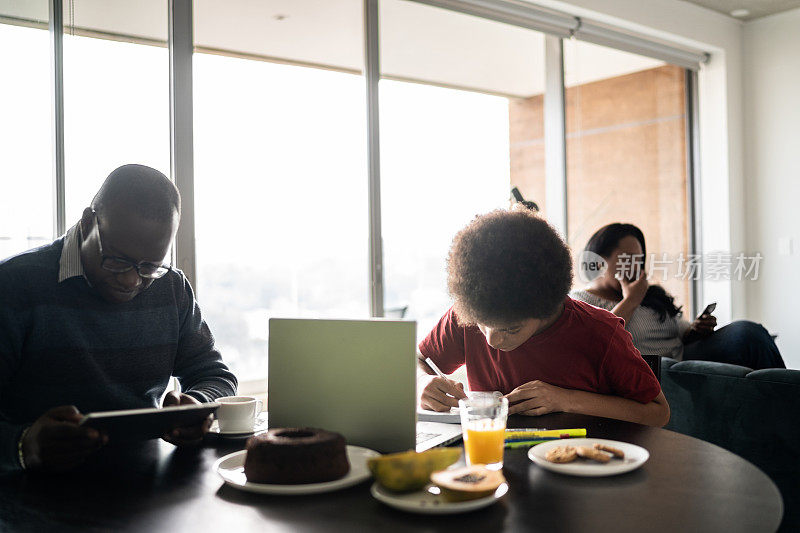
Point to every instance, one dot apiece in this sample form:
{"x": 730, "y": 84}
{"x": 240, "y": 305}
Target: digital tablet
{"x": 144, "y": 424}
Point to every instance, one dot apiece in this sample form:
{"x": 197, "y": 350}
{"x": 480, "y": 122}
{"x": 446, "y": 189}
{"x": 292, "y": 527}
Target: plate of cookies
{"x": 588, "y": 457}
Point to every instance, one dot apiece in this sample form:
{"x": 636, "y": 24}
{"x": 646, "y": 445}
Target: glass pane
{"x": 116, "y": 93}
{"x": 456, "y": 135}
{"x": 26, "y": 160}
{"x": 280, "y": 169}
{"x": 626, "y": 153}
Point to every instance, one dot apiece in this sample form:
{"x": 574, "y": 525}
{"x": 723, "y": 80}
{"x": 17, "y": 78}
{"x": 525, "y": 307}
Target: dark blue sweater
{"x": 61, "y": 344}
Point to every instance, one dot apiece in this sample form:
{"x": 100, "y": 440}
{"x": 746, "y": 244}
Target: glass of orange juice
{"x": 483, "y": 423}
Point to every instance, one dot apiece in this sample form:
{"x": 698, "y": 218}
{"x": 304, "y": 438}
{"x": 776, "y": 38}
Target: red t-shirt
{"x": 587, "y": 348}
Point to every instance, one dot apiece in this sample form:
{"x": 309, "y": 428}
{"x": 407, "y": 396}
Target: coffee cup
{"x": 237, "y": 414}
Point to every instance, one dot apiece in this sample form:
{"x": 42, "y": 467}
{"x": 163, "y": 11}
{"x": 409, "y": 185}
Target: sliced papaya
{"x": 468, "y": 482}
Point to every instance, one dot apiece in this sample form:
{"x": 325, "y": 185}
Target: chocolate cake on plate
{"x": 286, "y": 456}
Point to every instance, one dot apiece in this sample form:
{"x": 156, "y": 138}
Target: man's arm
{"x": 9, "y": 441}
{"x": 54, "y": 441}
{"x": 198, "y": 364}
{"x": 538, "y": 398}
{"x": 11, "y": 339}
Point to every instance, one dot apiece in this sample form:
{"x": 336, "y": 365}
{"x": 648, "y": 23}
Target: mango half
{"x": 410, "y": 471}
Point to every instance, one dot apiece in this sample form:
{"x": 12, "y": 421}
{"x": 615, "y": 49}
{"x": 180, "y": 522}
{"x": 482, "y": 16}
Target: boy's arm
{"x": 655, "y": 413}
{"x": 445, "y": 346}
{"x": 538, "y": 398}
{"x": 436, "y": 393}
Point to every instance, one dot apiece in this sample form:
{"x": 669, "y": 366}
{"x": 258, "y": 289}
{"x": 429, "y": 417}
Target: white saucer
{"x": 231, "y": 469}
{"x": 635, "y": 456}
{"x": 429, "y": 501}
{"x": 259, "y": 427}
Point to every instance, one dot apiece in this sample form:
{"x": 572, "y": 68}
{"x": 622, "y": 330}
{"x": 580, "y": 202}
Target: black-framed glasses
{"x": 119, "y": 265}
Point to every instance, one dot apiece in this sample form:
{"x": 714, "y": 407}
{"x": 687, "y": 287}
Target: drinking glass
{"x": 483, "y": 422}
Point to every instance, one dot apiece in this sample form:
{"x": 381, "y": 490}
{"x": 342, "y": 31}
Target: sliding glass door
{"x": 626, "y": 156}
{"x": 26, "y": 161}
{"x": 449, "y": 82}
{"x": 280, "y": 170}
{"x": 116, "y": 87}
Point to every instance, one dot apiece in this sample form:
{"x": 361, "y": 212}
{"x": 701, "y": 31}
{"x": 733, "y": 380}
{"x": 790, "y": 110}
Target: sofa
{"x": 754, "y": 414}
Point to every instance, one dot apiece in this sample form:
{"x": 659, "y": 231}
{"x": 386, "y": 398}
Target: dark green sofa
{"x": 754, "y": 414}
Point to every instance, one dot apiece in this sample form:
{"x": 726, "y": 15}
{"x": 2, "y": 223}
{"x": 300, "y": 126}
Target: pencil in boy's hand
{"x": 433, "y": 367}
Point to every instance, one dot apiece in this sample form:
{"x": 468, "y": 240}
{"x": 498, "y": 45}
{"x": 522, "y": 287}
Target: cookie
{"x": 619, "y": 454}
{"x": 591, "y": 453}
{"x": 561, "y": 454}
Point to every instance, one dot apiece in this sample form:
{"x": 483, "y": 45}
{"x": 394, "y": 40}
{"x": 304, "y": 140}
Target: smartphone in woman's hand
{"x": 708, "y": 310}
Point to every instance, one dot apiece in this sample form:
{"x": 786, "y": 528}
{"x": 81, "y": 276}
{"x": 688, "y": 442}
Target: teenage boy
{"x": 517, "y": 331}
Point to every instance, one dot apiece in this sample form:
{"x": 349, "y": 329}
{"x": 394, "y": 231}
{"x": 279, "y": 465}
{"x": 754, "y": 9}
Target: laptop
{"x": 355, "y": 377}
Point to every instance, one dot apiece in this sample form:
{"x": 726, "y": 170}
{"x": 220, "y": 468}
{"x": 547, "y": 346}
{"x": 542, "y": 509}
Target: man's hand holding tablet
{"x": 185, "y": 436}
{"x": 55, "y": 442}
{"x": 62, "y": 438}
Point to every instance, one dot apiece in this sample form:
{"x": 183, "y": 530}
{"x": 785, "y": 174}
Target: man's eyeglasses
{"x": 118, "y": 265}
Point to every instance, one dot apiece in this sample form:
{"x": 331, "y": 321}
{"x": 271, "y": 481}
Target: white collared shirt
{"x": 70, "y": 266}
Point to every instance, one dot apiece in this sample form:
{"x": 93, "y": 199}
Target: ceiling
{"x": 757, "y": 8}
{"x": 418, "y": 42}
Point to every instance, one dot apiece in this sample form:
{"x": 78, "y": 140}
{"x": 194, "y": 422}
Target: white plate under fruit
{"x": 635, "y": 456}
{"x": 231, "y": 469}
{"x": 430, "y": 501}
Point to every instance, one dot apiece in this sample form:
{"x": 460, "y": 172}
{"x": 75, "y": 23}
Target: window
{"x": 280, "y": 169}
{"x": 116, "y": 94}
{"x": 26, "y": 153}
{"x": 447, "y": 139}
{"x": 280, "y": 156}
{"x": 626, "y": 154}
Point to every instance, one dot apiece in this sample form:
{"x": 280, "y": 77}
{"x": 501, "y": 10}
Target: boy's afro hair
{"x": 507, "y": 266}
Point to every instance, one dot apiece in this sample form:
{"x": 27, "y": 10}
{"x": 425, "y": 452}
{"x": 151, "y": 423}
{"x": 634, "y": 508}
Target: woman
{"x": 655, "y": 323}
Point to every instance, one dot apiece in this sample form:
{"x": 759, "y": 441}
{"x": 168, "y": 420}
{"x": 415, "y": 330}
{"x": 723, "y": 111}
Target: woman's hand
{"x": 700, "y": 328}
{"x": 634, "y": 290}
{"x": 537, "y": 398}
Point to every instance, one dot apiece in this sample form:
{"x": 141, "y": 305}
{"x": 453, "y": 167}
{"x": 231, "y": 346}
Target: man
{"x": 517, "y": 331}
{"x": 97, "y": 321}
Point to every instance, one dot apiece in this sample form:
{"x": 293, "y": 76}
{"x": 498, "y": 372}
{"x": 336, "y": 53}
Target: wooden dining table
{"x": 686, "y": 485}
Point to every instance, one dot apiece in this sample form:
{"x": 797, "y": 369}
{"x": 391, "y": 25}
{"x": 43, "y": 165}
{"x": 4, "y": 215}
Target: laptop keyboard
{"x": 422, "y": 437}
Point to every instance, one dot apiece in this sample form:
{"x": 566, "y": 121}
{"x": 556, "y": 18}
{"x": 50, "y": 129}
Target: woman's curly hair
{"x": 507, "y": 266}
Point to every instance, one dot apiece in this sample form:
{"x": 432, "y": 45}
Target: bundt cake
{"x": 296, "y": 455}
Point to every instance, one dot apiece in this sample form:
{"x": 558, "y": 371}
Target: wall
{"x": 720, "y": 94}
{"x": 625, "y": 160}
{"x": 772, "y": 169}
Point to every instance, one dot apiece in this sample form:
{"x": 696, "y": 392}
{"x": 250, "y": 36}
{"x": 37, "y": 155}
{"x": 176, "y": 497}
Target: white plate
{"x": 429, "y": 501}
{"x": 635, "y": 456}
{"x": 231, "y": 470}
